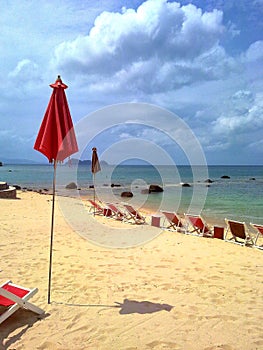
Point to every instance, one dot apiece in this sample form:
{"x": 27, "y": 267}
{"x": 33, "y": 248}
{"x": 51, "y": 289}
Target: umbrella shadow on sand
{"x": 141, "y": 307}
{"x": 14, "y": 328}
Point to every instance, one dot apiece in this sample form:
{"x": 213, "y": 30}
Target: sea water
{"x": 238, "y": 197}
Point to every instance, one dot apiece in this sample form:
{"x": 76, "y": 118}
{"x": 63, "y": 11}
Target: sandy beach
{"x": 175, "y": 291}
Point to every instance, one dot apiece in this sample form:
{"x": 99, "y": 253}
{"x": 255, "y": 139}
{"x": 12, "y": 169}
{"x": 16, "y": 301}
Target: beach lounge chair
{"x": 98, "y": 208}
{"x": 259, "y": 229}
{"x": 197, "y": 225}
{"x": 134, "y": 215}
{"x": 174, "y": 221}
{"x": 238, "y": 231}
{"x": 116, "y": 213}
{"x": 14, "y": 297}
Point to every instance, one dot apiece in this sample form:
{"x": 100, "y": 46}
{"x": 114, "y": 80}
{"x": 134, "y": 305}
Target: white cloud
{"x": 25, "y": 70}
{"x": 205, "y": 66}
{"x": 255, "y": 52}
{"x": 246, "y": 115}
{"x": 158, "y": 47}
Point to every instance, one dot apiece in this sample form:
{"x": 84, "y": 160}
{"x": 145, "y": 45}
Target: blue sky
{"x": 201, "y": 60}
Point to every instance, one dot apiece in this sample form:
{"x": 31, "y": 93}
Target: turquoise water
{"x": 240, "y": 197}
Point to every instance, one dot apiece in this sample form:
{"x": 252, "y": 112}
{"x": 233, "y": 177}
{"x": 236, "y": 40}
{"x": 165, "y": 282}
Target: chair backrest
{"x": 96, "y": 205}
{"x": 258, "y": 227}
{"x": 14, "y": 290}
{"x": 172, "y": 217}
{"x": 198, "y": 222}
{"x": 133, "y": 211}
{"x": 115, "y": 209}
{"x": 237, "y": 229}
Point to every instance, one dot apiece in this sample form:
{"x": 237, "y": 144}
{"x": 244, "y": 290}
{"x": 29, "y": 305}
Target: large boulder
{"x": 155, "y": 188}
{"x": 225, "y": 177}
{"x": 209, "y": 181}
{"x": 71, "y": 186}
{"x": 127, "y": 194}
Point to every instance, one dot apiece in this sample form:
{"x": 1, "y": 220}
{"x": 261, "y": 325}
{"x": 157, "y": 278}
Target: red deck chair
{"x": 14, "y": 297}
{"x": 238, "y": 231}
{"x": 116, "y": 212}
{"x": 134, "y": 215}
{"x": 174, "y": 221}
{"x": 199, "y": 226}
{"x": 98, "y": 208}
{"x": 259, "y": 229}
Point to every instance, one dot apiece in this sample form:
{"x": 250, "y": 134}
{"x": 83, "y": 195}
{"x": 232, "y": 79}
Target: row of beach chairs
{"x": 195, "y": 224}
{"x": 128, "y": 213}
{"x": 189, "y": 224}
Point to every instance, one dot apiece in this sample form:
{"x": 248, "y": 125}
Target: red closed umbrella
{"x": 95, "y": 164}
{"x": 56, "y": 140}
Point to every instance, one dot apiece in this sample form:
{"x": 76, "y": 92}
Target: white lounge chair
{"x": 239, "y": 233}
{"x": 116, "y": 212}
{"x": 134, "y": 215}
{"x": 14, "y": 297}
{"x": 198, "y": 225}
{"x": 174, "y": 221}
{"x": 259, "y": 229}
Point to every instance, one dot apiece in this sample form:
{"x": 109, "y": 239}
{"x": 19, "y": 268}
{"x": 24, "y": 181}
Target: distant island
{"x": 18, "y": 161}
{"x": 87, "y": 162}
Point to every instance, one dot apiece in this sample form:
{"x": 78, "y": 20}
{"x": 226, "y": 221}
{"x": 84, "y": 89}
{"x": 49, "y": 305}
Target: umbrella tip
{"x": 58, "y": 83}
{"x": 94, "y": 149}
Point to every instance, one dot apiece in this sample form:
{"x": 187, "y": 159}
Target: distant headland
{"x": 87, "y": 162}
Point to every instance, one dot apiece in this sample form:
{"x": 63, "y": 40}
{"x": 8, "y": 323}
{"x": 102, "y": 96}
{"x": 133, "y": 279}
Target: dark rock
{"x": 186, "y": 185}
{"x": 1, "y": 164}
{"x": 209, "y": 181}
{"x": 252, "y": 178}
{"x": 91, "y": 186}
{"x": 225, "y": 177}
{"x": 71, "y": 186}
{"x": 17, "y": 187}
{"x": 126, "y": 194}
{"x": 115, "y": 185}
{"x": 155, "y": 188}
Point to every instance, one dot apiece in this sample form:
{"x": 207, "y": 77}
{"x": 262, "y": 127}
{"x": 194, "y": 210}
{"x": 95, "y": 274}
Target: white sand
{"x": 174, "y": 292}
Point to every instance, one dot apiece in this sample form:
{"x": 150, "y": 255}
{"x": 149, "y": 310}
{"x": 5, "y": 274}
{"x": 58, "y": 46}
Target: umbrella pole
{"x": 51, "y": 232}
{"x": 94, "y": 197}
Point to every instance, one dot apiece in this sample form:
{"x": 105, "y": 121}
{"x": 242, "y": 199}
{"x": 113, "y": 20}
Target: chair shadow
{"x": 21, "y": 320}
{"x": 141, "y": 307}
